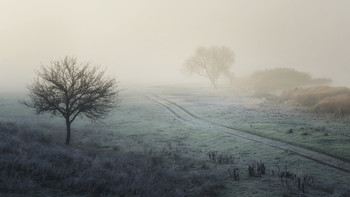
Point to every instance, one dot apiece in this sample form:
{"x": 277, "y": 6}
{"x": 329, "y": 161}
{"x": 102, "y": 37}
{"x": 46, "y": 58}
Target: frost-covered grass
{"x": 271, "y": 118}
{"x": 149, "y": 147}
{"x": 34, "y": 163}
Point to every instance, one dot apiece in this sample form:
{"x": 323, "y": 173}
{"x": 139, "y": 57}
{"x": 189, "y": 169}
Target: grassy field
{"x": 151, "y": 147}
{"x": 272, "y": 118}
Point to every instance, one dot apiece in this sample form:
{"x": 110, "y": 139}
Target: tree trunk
{"x": 68, "y": 131}
{"x": 214, "y": 83}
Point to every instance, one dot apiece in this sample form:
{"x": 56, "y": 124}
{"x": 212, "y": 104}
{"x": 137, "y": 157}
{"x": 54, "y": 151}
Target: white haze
{"x": 147, "y": 41}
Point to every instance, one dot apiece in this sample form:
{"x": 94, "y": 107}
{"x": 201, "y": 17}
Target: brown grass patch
{"x": 312, "y": 96}
{"x": 323, "y": 99}
{"x": 338, "y": 105}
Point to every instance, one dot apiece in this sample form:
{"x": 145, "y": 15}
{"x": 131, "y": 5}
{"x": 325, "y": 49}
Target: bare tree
{"x": 210, "y": 62}
{"x": 68, "y": 89}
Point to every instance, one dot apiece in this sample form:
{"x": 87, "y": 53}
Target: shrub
{"x": 322, "y": 99}
{"x": 283, "y": 78}
{"x": 338, "y": 105}
{"x": 311, "y": 96}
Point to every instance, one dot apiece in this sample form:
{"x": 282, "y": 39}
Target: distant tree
{"x": 68, "y": 89}
{"x": 210, "y": 62}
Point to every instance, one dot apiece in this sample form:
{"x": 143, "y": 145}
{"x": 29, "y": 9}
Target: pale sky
{"x": 148, "y": 41}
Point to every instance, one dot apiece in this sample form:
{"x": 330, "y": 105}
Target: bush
{"x": 338, "y": 105}
{"x": 282, "y": 78}
{"x": 311, "y": 96}
{"x": 322, "y": 99}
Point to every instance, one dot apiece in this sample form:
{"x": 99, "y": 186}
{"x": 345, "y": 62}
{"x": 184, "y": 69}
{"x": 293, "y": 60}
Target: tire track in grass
{"x": 260, "y": 135}
{"x": 179, "y": 111}
{"x": 167, "y": 107}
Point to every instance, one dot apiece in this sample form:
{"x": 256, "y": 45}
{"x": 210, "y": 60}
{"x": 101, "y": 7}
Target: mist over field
{"x": 175, "y": 98}
{"x": 147, "y": 41}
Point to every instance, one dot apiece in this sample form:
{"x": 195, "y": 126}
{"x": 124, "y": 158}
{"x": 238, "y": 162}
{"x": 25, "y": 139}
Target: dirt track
{"x": 188, "y": 117}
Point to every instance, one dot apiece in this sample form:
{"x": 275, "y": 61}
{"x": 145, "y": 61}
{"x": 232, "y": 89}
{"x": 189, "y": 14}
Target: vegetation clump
{"x": 322, "y": 99}
{"x": 220, "y": 158}
{"x": 295, "y": 183}
{"x": 256, "y": 169}
{"x": 338, "y": 105}
{"x": 283, "y": 78}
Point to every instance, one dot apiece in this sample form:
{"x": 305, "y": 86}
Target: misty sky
{"x": 149, "y": 40}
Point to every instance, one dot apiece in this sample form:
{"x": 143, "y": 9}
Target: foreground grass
{"x": 33, "y": 163}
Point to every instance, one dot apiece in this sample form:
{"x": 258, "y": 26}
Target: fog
{"x": 147, "y": 42}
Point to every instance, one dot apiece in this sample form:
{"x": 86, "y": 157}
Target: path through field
{"x": 190, "y": 118}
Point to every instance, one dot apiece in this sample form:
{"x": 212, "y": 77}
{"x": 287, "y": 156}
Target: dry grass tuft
{"x": 323, "y": 99}
{"x": 311, "y": 96}
{"x": 338, "y": 105}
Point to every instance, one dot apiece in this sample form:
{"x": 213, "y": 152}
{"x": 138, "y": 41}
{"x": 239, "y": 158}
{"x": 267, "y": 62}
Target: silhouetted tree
{"x": 210, "y": 62}
{"x": 68, "y": 89}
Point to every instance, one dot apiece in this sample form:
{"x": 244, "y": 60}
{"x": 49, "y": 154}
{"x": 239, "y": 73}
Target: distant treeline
{"x": 283, "y": 78}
